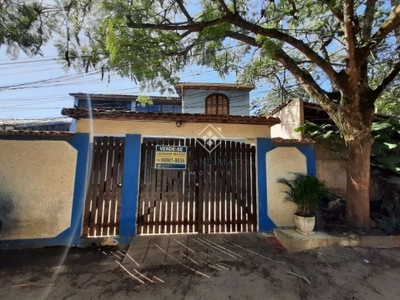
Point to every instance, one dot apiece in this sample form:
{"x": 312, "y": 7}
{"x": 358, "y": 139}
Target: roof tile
{"x": 35, "y": 132}
{"x": 78, "y": 113}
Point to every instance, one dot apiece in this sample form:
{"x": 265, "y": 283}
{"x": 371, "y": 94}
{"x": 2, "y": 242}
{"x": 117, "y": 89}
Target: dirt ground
{"x": 93, "y": 273}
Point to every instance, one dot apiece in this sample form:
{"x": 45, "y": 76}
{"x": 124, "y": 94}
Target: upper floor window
{"x": 217, "y": 104}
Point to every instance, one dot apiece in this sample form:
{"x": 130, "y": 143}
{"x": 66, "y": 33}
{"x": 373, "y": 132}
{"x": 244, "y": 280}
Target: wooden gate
{"x": 216, "y": 193}
{"x": 103, "y": 199}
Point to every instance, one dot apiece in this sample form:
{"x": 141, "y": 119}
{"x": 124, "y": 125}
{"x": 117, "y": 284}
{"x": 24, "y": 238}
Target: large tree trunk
{"x": 358, "y": 180}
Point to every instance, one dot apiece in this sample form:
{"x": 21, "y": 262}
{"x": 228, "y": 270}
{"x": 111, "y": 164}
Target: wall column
{"x": 130, "y": 188}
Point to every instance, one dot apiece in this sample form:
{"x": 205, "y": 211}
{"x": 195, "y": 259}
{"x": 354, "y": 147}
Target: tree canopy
{"x": 343, "y": 54}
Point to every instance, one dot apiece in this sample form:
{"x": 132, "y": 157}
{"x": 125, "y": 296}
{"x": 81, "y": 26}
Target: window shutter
{"x": 217, "y": 104}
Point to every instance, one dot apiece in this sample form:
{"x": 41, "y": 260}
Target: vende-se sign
{"x": 170, "y": 157}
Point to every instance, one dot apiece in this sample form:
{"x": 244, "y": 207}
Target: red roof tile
{"x": 79, "y": 113}
{"x": 282, "y": 140}
{"x": 35, "y": 132}
{"x": 212, "y": 86}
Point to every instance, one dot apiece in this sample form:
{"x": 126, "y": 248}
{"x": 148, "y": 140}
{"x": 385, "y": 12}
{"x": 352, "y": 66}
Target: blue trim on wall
{"x": 70, "y": 236}
{"x": 130, "y": 188}
{"x": 264, "y": 221}
{"x": 308, "y": 152}
{"x": 265, "y": 145}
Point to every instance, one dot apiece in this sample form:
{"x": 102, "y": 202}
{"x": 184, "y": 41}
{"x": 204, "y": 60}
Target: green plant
{"x": 305, "y": 191}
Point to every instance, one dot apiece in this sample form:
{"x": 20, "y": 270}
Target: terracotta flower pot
{"x": 304, "y": 225}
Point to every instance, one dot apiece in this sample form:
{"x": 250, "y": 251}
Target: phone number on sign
{"x": 167, "y": 160}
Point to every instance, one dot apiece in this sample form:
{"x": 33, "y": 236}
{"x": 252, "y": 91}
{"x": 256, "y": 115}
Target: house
{"x": 194, "y": 98}
{"x": 207, "y": 166}
{"x": 47, "y": 124}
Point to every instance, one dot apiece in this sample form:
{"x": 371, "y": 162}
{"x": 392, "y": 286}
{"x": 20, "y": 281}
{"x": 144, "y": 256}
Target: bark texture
{"x": 358, "y": 177}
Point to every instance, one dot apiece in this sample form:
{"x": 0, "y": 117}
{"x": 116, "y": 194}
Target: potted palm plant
{"x": 306, "y": 192}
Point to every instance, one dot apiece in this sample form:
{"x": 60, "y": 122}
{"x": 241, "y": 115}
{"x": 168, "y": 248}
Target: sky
{"x": 38, "y": 87}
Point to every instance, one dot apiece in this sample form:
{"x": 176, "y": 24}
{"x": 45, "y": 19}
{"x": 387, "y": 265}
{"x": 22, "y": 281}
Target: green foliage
{"x": 305, "y": 191}
{"x": 323, "y": 132}
{"x": 385, "y": 151}
{"x": 144, "y": 100}
{"x": 23, "y": 26}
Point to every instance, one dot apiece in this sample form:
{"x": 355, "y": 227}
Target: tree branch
{"x": 336, "y": 12}
{"x": 352, "y": 68}
{"x": 224, "y": 7}
{"x": 184, "y": 10}
{"x": 308, "y": 83}
{"x": 390, "y": 24}
{"x": 368, "y": 19}
{"x": 192, "y": 27}
{"x": 298, "y": 44}
{"x": 386, "y": 81}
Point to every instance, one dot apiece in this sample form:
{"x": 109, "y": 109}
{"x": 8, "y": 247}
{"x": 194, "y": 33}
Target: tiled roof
{"x": 212, "y": 86}
{"x": 34, "y": 132}
{"x": 127, "y": 98}
{"x": 78, "y": 113}
{"x": 282, "y": 140}
{"x": 48, "y": 121}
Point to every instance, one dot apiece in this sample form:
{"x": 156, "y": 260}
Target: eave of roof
{"x": 291, "y": 141}
{"x": 36, "y": 133}
{"x": 212, "y": 86}
{"x": 126, "y": 98}
{"x": 79, "y": 113}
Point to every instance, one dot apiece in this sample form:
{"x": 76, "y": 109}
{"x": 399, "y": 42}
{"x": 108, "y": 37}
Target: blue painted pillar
{"x": 308, "y": 152}
{"x": 264, "y": 145}
{"x": 264, "y": 222}
{"x": 81, "y": 144}
{"x": 130, "y": 188}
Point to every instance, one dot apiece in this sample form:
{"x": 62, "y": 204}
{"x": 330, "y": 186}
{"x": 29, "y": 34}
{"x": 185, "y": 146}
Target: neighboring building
{"x": 127, "y": 102}
{"x": 50, "y": 124}
{"x": 294, "y": 113}
{"x": 331, "y": 167}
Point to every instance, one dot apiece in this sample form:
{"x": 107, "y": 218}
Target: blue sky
{"x": 24, "y": 95}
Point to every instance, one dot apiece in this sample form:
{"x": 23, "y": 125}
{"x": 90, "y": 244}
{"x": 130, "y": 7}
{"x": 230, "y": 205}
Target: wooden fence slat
{"x": 239, "y": 186}
{"x": 105, "y": 224}
{"x": 101, "y": 195}
{"x": 254, "y": 190}
{"x": 90, "y": 192}
{"x": 234, "y": 186}
{"x": 121, "y": 157}
{"x": 246, "y": 208}
{"x": 114, "y": 188}
{"x": 192, "y": 184}
{"x": 212, "y": 182}
{"x": 223, "y": 174}
{"x": 218, "y": 161}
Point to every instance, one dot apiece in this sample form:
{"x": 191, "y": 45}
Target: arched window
{"x": 217, "y": 104}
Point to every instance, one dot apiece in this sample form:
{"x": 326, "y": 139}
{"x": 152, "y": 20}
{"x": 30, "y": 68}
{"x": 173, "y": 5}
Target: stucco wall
{"x": 280, "y": 163}
{"x": 291, "y": 116}
{"x": 331, "y": 168}
{"x": 194, "y": 101}
{"x": 115, "y": 127}
{"x": 36, "y": 188}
